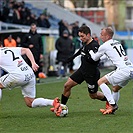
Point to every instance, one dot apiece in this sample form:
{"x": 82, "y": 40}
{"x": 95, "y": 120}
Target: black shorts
{"x": 91, "y": 78}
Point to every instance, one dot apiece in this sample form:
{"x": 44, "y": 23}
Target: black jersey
{"x": 88, "y": 70}
{"x": 88, "y": 65}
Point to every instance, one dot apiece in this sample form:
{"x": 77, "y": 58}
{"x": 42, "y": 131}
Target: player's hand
{"x": 31, "y": 46}
{"x": 35, "y": 67}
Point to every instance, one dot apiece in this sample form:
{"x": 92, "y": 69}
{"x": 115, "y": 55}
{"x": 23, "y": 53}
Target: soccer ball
{"x": 64, "y": 111}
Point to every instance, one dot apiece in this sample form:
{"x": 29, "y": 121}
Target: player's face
{"x": 33, "y": 28}
{"x": 104, "y": 37}
{"x": 83, "y": 37}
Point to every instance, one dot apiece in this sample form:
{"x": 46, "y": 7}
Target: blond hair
{"x": 109, "y": 31}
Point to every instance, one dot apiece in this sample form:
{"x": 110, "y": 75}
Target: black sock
{"x": 104, "y": 99}
{"x": 64, "y": 99}
{"x": 113, "y": 104}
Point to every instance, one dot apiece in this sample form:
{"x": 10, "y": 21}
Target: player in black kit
{"x": 88, "y": 71}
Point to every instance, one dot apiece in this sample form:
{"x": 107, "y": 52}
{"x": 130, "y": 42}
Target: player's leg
{"x": 116, "y": 89}
{"x": 93, "y": 86}
{"x": 73, "y": 80}
{"x": 5, "y": 82}
{"x": 102, "y": 82}
{"x": 39, "y": 102}
{"x": 117, "y": 79}
{"x": 29, "y": 93}
{"x": 116, "y": 93}
{"x": 67, "y": 90}
{"x": 98, "y": 95}
{"x": 93, "y": 91}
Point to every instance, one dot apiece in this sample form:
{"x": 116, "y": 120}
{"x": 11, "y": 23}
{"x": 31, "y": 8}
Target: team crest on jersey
{"x": 20, "y": 62}
{"x": 126, "y": 58}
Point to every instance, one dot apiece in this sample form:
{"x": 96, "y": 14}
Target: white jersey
{"x": 115, "y": 52}
{"x": 19, "y": 72}
{"x": 12, "y": 61}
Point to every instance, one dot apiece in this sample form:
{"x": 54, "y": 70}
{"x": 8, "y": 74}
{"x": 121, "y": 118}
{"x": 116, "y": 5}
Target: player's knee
{"x": 102, "y": 80}
{"x": 116, "y": 89}
{"x": 99, "y": 82}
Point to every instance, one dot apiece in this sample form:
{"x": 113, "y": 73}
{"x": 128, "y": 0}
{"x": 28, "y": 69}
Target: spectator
{"x": 33, "y": 41}
{"x": 16, "y": 15}
{"x": 43, "y": 21}
{"x": 75, "y": 35}
{"x": 62, "y": 26}
{"x": 18, "y": 41}
{"x": 64, "y": 46}
{"x": 75, "y": 29}
{"x": 31, "y": 19}
{"x": 10, "y": 42}
{"x": 8, "y": 12}
{"x": 71, "y": 63}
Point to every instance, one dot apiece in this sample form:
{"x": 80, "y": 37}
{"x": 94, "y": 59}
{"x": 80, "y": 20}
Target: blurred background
{"x": 16, "y": 16}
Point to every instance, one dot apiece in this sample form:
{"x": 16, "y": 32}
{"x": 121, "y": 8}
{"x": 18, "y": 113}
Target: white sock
{"x": 107, "y": 93}
{"x": 41, "y": 102}
{"x": 116, "y": 96}
{"x": 0, "y": 94}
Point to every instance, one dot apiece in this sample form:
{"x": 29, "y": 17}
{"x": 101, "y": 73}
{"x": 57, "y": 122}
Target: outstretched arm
{"x": 31, "y": 58}
{"x": 75, "y": 55}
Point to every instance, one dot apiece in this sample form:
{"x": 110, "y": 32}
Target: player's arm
{"x": 29, "y": 54}
{"x": 96, "y": 56}
{"x": 74, "y": 55}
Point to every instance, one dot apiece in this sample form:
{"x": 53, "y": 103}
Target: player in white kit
{"x": 118, "y": 78}
{"x": 19, "y": 73}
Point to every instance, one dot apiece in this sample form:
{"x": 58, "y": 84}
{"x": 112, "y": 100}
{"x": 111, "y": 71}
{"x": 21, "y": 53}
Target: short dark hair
{"x": 85, "y": 29}
{"x": 33, "y": 24}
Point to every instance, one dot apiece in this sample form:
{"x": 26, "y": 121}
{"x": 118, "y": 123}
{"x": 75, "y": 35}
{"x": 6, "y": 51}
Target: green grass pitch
{"x": 83, "y": 117}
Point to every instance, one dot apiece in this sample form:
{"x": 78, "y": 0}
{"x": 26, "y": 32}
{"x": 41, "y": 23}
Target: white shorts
{"x": 119, "y": 77}
{"x": 26, "y": 81}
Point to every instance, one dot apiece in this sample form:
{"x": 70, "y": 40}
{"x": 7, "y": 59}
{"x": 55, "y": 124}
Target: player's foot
{"x": 102, "y": 110}
{"x": 106, "y": 106}
{"x": 58, "y": 111}
{"x": 52, "y": 109}
{"x": 57, "y": 107}
{"x": 111, "y": 109}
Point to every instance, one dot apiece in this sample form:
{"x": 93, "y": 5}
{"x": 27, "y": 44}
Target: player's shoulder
{"x": 13, "y": 48}
{"x": 95, "y": 43}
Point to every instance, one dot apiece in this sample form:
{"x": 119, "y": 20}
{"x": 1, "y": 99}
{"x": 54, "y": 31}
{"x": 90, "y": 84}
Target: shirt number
{"x": 14, "y": 58}
{"x": 120, "y": 51}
